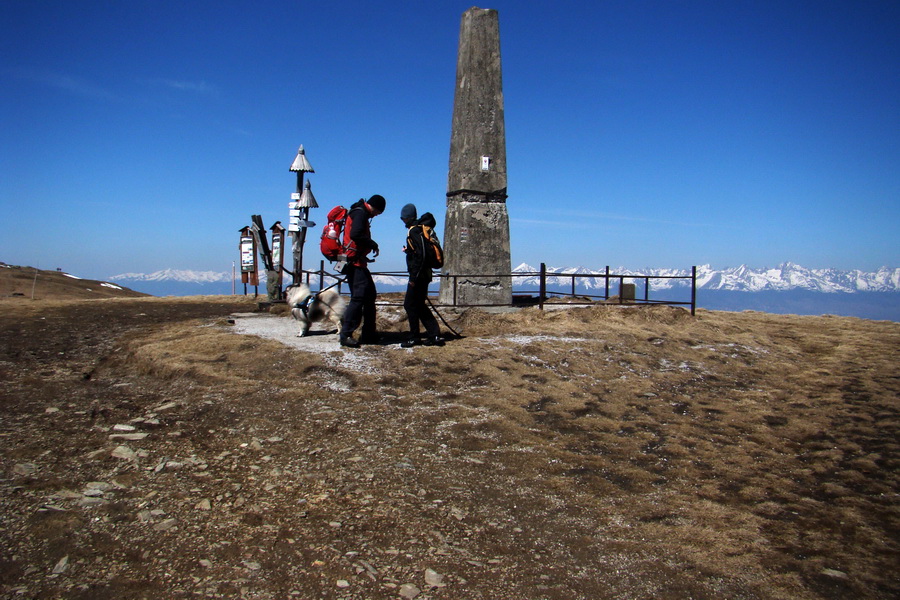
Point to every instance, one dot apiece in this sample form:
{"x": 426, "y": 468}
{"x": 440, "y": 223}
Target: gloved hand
{"x": 374, "y": 249}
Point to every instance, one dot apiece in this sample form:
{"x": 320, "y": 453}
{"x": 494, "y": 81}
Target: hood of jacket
{"x": 427, "y": 219}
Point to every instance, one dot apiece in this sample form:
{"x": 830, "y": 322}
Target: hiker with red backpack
{"x": 358, "y": 243}
{"x": 423, "y": 252}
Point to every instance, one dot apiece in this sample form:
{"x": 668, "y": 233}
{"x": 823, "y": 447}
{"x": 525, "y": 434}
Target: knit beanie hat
{"x": 408, "y": 213}
{"x": 377, "y": 202}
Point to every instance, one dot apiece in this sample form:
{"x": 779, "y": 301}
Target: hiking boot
{"x": 410, "y": 343}
{"x": 349, "y": 342}
{"x": 434, "y": 340}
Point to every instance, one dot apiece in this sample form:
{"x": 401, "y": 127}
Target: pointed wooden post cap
{"x": 307, "y": 200}
{"x": 301, "y": 165}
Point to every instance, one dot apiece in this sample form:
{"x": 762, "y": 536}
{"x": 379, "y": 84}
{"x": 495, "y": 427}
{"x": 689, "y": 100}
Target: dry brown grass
{"x": 36, "y": 284}
{"x": 600, "y": 452}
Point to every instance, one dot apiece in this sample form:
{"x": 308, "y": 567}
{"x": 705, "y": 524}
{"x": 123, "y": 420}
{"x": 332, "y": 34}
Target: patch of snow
{"x": 353, "y": 360}
{"x": 528, "y": 339}
{"x": 336, "y": 386}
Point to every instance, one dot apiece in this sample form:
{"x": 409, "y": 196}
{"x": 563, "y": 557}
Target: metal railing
{"x": 544, "y": 292}
{"x": 608, "y": 276}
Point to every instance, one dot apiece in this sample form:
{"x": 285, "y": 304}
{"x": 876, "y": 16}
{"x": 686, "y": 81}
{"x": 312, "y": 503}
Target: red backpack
{"x": 336, "y": 243}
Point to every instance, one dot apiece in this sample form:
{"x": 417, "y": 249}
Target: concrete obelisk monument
{"x": 476, "y": 230}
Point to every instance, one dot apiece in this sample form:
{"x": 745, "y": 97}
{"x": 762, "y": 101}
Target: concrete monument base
{"x": 478, "y": 268}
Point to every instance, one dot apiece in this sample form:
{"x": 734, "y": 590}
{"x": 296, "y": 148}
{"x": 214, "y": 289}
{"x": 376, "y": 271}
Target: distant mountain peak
{"x": 176, "y": 275}
{"x": 786, "y": 276}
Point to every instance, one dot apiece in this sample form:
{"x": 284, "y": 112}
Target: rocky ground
{"x": 193, "y": 448}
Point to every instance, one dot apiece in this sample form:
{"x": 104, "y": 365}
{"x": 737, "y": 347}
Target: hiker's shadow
{"x": 313, "y": 332}
{"x": 389, "y": 338}
{"x": 385, "y": 338}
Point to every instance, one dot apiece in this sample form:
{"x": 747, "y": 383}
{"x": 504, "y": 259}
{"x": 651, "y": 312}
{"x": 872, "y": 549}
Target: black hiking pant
{"x": 361, "y": 308}
{"x": 417, "y": 310}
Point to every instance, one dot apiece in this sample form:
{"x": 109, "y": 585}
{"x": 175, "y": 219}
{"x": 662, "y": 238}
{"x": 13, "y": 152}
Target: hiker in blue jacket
{"x": 419, "y": 278}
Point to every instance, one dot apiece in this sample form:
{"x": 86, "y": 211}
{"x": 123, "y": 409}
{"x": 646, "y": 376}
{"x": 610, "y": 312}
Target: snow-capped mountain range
{"x": 787, "y": 276}
{"x": 176, "y": 275}
{"x": 784, "y": 277}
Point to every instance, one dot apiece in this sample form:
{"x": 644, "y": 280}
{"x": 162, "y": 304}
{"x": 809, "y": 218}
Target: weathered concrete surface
{"x": 478, "y": 126}
{"x": 482, "y": 249}
{"x": 476, "y": 230}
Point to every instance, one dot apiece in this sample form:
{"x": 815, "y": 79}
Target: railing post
{"x": 454, "y": 291}
{"x": 693, "y": 290}
{"x": 543, "y": 279}
{"x": 543, "y": 286}
{"x": 606, "y": 293}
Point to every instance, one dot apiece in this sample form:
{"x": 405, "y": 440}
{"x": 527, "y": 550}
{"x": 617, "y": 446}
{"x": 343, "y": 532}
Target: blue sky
{"x": 142, "y": 135}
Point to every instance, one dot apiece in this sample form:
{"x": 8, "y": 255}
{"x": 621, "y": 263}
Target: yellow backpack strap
{"x": 410, "y": 242}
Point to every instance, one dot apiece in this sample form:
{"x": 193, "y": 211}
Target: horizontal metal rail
{"x": 521, "y": 297}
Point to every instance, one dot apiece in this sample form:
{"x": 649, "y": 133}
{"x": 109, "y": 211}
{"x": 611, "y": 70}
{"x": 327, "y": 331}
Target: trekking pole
{"x": 441, "y": 317}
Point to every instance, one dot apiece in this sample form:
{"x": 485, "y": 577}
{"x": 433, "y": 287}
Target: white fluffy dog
{"x": 307, "y": 307}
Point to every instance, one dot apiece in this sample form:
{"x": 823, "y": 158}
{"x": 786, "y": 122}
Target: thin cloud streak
{"x": 66, "y": 83}
{"x": 197, "y": 87}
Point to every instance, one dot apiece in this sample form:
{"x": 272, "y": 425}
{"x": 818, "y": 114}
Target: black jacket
{"x": 360, "y": 233}
{"x": 415, "y": 249}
